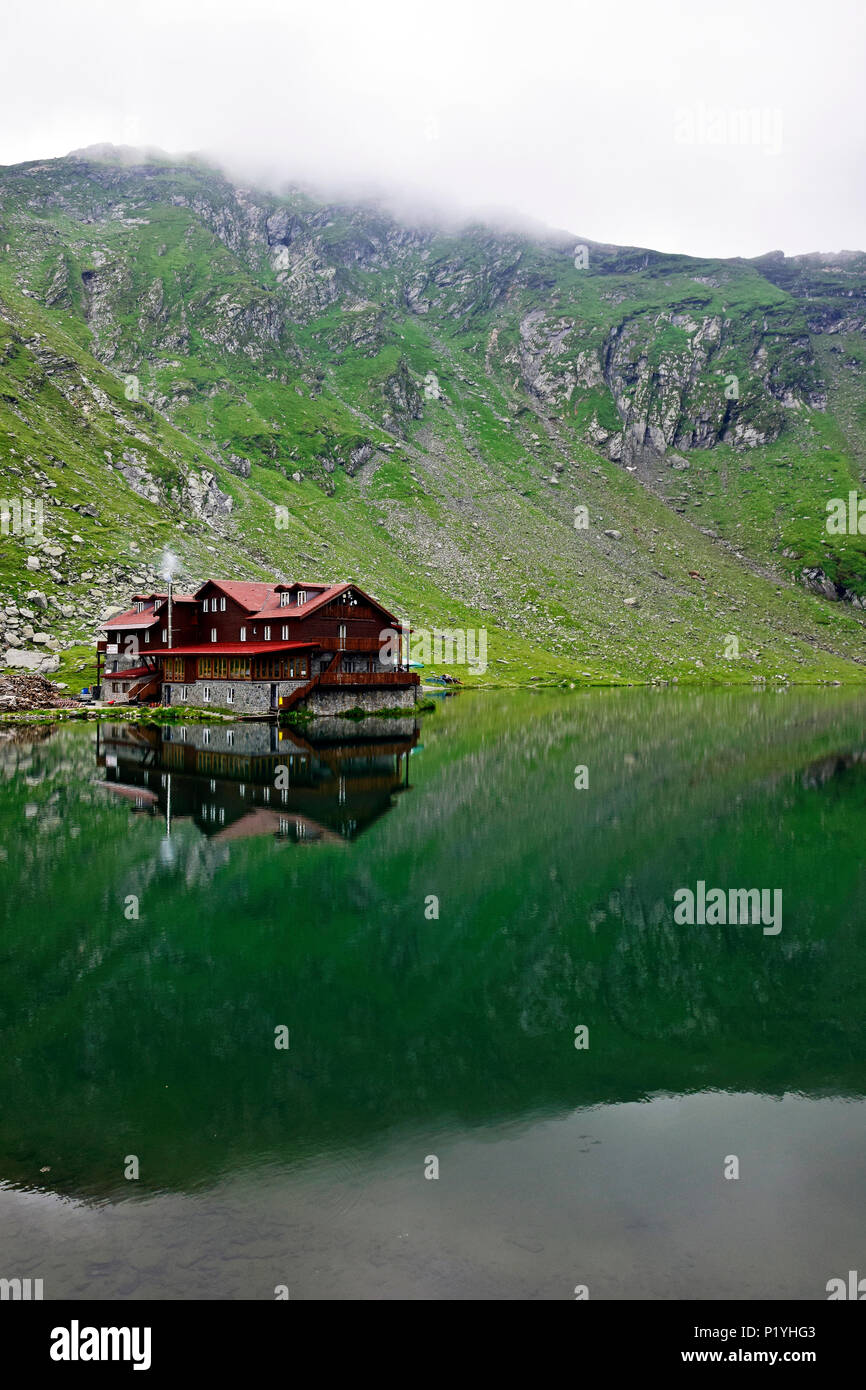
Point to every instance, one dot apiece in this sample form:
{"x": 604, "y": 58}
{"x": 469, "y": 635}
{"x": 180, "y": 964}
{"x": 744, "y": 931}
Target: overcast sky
{"x": 685, "y": 125}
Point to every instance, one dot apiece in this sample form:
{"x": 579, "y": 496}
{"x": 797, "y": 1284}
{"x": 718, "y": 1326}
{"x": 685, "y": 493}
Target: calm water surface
{"x": 414, "y": 1037}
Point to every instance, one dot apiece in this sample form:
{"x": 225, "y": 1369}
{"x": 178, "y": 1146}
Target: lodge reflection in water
{"x": 246, "y": 779}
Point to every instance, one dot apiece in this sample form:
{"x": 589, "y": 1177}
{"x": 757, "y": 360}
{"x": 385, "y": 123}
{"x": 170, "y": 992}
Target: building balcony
{"x": 354, "y": 644}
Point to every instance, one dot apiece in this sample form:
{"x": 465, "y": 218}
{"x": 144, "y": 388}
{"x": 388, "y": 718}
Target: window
{"x": 165, "y": 634}
{"x": 220, "y": 667}
{"x": 213, "y": 634}
{"x": 267, "y": 634}
{"x": 206, "y": 739}
{"x": 239, "y": 668}
{"x": 222, "y": 605}
{"x": 205, "y": 694}
{"x": 204, "y": 606}
{"x": 230, "y": 738}
{"x": 230, "y": 695}
{"x": 181, "y": 692}
{"x": 284, "y": 632}
{"x": 147, "y": 635}
{"x": 302, "y": 596}
{"x": 342, "y": 635}
{"x": 243, "y": 634}
{"x": 273, "y": 668}
{"x": 205, "y": 666}
{"x": 285, "y": 600}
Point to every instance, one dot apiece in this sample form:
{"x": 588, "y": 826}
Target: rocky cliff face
{"x": 689, "y": 353}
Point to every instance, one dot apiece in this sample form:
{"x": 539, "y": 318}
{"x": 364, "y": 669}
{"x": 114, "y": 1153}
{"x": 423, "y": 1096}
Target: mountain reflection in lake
{"x": 312, "y": 906}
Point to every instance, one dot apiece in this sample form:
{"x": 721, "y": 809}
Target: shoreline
{"x": 168, "y": 714}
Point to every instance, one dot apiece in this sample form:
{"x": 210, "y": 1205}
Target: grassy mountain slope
{"x": 180, "y": 357}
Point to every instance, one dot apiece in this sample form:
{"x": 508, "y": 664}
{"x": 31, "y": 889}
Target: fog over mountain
{"x": 724, "y": 130}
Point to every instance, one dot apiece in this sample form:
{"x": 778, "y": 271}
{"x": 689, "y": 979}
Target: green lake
{"x": 428, "y": 910}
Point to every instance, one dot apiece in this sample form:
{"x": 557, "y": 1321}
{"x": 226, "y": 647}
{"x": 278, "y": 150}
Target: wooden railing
{"x": 369, "y": 678}
{"x": 354, "y": 644}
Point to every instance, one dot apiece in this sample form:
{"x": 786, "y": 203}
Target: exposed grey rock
{"x": 137, "y": 476}
{"x": 30, "y": 661}
{"x": 359, "y": 456}
{"x": 204, "y": 498}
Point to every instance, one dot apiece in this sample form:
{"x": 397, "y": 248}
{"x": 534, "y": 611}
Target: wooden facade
{"x": 262, "y": 647}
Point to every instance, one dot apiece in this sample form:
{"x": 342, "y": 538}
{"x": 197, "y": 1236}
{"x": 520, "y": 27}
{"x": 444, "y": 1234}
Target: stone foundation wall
{"x": 254, "y": 697}
{"x": 337, "y": 701}
{"x": 115, "y": 690}
{"x": 251, "y": 697}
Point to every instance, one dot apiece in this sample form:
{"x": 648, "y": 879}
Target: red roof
{"x": 131, "y": 619}
{"x": 317, "y": 600}
{"x": 250, "y": 595}
{"x": 273, "y": 609}
{"x": 132, "y": 674}
{"x": 234, "y": 649}
{"x": 263, "y": 600}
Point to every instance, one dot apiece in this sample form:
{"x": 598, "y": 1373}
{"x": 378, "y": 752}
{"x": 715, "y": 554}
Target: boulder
{"x": 29, "y": 660}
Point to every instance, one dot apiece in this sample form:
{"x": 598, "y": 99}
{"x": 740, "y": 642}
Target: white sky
{"x": 615, "y": 120}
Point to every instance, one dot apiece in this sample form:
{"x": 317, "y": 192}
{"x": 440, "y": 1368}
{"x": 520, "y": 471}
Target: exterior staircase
{"x": 290, "y": 701}
{"x": 149, "y": 685}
